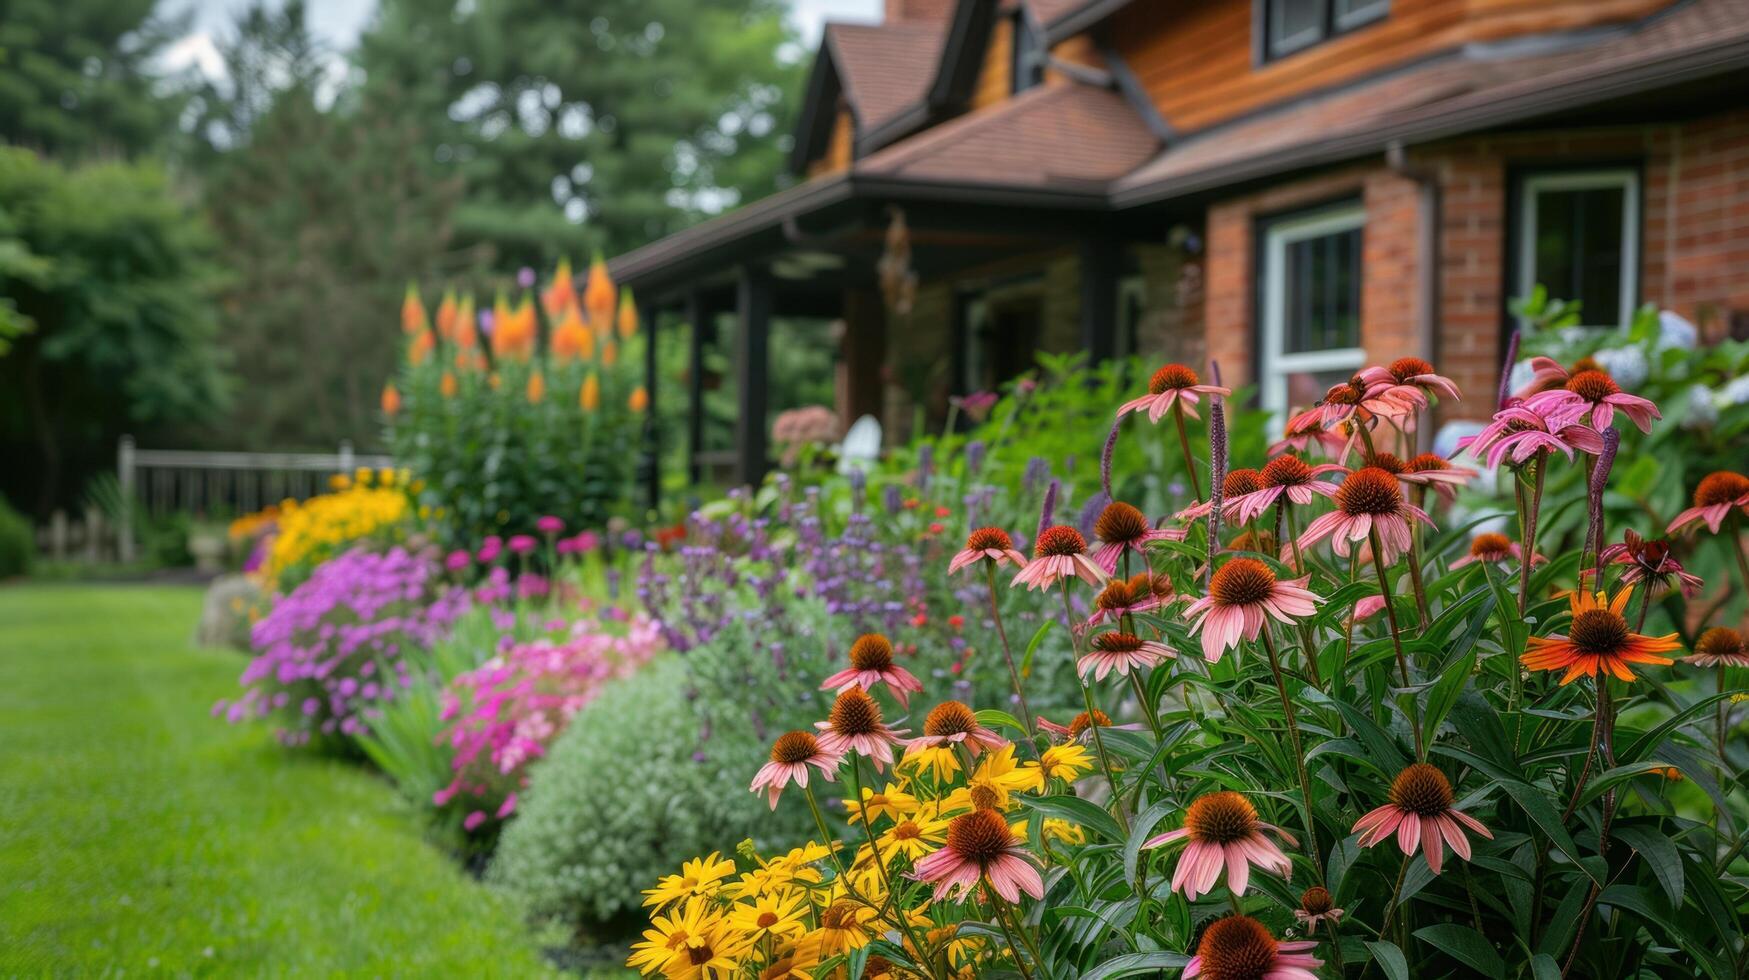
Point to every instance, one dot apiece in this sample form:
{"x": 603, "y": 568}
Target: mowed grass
{"x": 140, "y": 836}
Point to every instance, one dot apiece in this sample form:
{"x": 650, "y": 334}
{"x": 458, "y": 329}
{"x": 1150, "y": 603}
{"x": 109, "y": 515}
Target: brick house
{"x": 1293, "y": 187}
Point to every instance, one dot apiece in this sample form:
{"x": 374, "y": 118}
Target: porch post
{"x": 752, "y": 364}
{"x": 652, "y": 434}
{"x": 1099, "y": 275}
{"x": 863, "y": 351}
{"x": 696, "y": 317}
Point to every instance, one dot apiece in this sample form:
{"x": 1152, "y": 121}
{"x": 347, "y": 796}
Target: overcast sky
{"x": 338, "y": 22}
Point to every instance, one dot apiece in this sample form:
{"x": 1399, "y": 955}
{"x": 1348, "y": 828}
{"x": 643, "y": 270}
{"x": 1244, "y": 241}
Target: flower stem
{"x": 826, "y": 837}
{"x": 1293, "y": 734}
{"x": 1184, "y": 444}
{"x": 1378, "y": 561}
{"x": 1008, "y": 652}
{"x": 1092, "y": 723}
{"x": 874, "y": 846}
{"x": 1541, "y": 464}
{"x": 1391, "y": 904}
{"x": 999, "y": 907}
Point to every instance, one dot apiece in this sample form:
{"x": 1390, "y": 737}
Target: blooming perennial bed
{"x": 1504, "y": 775}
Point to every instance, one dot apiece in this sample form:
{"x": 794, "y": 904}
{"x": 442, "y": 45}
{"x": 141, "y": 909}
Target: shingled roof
{"x": 885, "y": 68}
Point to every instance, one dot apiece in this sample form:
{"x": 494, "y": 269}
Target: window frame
{"x": 1025, "y": 62}
{"x": 1529, "y": 184}
{"x": 1274, "y": 364}
{"x": 1331, "y": 25}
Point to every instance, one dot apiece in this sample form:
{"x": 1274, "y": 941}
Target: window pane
{"x": 1352, "y": 12}
{"x": 1293, "y": 24}
{"x": 1578, "y": 249}
{"x": 1322, "y": 306}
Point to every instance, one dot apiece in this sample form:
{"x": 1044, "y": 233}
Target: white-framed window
{"x": 1579, "y": 236}
{"x": 1310, "y": 305}
{"x": 1293, "y": 25}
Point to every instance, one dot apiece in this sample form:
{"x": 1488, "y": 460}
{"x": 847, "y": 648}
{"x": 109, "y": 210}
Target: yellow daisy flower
{"x": 939, "y": 760}
{"x": 775, "y": 914}
{"x": 698, "y": 876}
{"x": 845, "y": 925}
{"x": 1066, "y": 762}
{"x": 913, "y": 837}
{"x": 891, "y": 802}
{"x": 994, "y": 782}
{"x": 1063, "y": 830}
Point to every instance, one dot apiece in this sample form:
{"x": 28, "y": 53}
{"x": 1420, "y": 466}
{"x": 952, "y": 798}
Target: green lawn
{"x": 139, "y": 835}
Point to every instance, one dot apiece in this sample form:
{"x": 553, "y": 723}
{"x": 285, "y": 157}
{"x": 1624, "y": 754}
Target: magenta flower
{"x": 1519, "y": 432}
{"x": 490, "y": 549}
{"x": 871, "y": 663}
{"x": 1224, "y": 834}
{"x": 980, "y": 848}
{"x": 1241, "y": 593}
{"x": 1420, "y": 814}
{"x": 987, "y": 544}
{"x": 1059, "y": 553}
{"x": 1368, "y": 500}
{"x": 549, "y": 525}
{"x": 1172, "y": 385}
{"x": 458, "y": 560}
{"x": 1305, "y": 430}
{"x": 1594, "y": 393}
{"x": 791, "y": 755}
{"x": 522, "y": 544}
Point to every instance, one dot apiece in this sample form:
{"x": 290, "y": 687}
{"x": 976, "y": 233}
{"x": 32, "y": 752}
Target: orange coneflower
{"x": 1224, "y": 833}
{"x": 1239, "y": 946}
{"x": 1420, "y": 814}
{"x": 1597, "y": 641}
{"x": 1172, "y": 385}
{"x": 871, "y": 663}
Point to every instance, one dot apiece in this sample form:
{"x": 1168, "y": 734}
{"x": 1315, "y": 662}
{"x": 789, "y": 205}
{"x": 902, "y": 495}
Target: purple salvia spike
{"x": 1045, "y": 512}
{"x": 1105, "y": 458}
{"x": 1506, "y": 371}
{"x": 1217, "y": 468}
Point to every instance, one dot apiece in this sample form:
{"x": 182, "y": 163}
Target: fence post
{"x": 124, "y": 475}
{"x": 346, "y": 466}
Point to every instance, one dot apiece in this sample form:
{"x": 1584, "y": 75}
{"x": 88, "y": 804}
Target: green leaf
{"x": 1077, "y": 811}
{"x": 1032, "y": 646}
{"x": 1660, "y": 853}
{"x": 1544, "y": 967}
{"x": 1465, "y": 945}
{"x": 1390, "y": 959}
{"x": 1534, "y": 803}
{"x": 1378, "y": 742}
{"x": 1130, "y": 964}
{"x": 1140, "y": 830}
{"x": 991, "y": 717}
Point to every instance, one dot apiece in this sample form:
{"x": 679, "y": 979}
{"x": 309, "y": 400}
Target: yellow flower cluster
{"x": 804, "y": 914}
{"x": 366, "y": 505}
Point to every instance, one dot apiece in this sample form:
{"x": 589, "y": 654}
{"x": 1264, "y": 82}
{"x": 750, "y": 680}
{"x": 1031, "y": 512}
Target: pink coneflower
{"x": 990, "y": 544}
{"x": 1649, "y": 561}
{"x": 1173, "y": 384}
{"x": 1240, "y": 593}
{"x": 1236, "y": 485}
{"x": 1122, "y": 652}
{"x": 1316, "y": 907}
{"x": 1059, "y": 553}
{"x": 1434, "y": 470}
{"x": 549, "y": 524}
{"x": 1122, "y": 528}
{"x": 1519, "y": 432}
{"x": 953, "y": 723}
{"x": 1239, "y": 947}
{"x": 791, "y": 755}
{"x": 1420, "y": 814}
{"x": 1224, "y": 832}
{"x": 1368, "y": 500}
{"x": 1078, "y": 727}
{"x": 1496, "y": 549}
{"x": 1717, "y": 495}
{"x": 1407, "y": 381}
{"x": 871, "y": 663}
{"x": 1339, "y": 404}
{"x": 1140, "y": 593}
{"x": 1367, "y": 608}
{"x": 1720, "y": 646}
{"x": 1285, "y": 476}
{"x": 1548, "y": 374}
{"x": 855, "y": 726}
{"x": 980, "y": 847}
{"x": 1306, "y": 430}
{"x": 1594, "y": 393}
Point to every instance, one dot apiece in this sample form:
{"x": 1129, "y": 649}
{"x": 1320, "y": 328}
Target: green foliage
{"x": 626, "y": 791}
{"x": 149, "y": 838}
{"x": 17, "y": 542}
{"x": 119, "y": 290}
{"x": 590, "y": 125}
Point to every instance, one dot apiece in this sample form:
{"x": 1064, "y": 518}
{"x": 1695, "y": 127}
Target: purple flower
{"x": 549, "y": 525}
{"x": 522, "y": 544}
{"x": 458, "y": 560}
{"x": 525, "y": 277}
{"x": 491, "y": 548}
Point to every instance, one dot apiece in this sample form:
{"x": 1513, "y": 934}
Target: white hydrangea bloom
{"x": 1520, "y": 376}
{"x": 1674, "y": 330}
{"x": 1702, "y": 412}
{"x": 1734, "y": 393}
{"x": 1573, "y": 335}
{"x": 1627, "y": 365}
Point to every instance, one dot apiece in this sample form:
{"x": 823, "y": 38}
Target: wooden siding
{"x": 1077, "y": 50}
{"x": 838, "y": 149}
{"x": 1195, "y": 58}
{"x": 995, "y": 78}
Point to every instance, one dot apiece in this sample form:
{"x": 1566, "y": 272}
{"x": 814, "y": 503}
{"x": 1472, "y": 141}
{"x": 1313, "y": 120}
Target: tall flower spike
{"x": 1047, "y": 511}
{"x": 1217, "y": 467}
{"x": 1503, "y": 397}
{"x": 1600, "y": 479}
{"x": 1105, "y": 455}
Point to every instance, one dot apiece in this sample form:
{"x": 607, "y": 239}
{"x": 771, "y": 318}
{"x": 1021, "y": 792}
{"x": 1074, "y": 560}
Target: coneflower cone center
{"x": 871, "y": 651}
{"x": 985, "y": 798}
{"x": 1119, "y": 523}
{"x": 1221, "y": 818}
{"x": 1723, "y": 487}
{"x": 950, "y": 718}
{"x": 1428, "y": 461}
{"x": 1117, "y": 643}
{"x": 793, "y": 747}
{"x": 1117, "y": 594}
{"x": 855, "y": 713}
{"x": 1422, "y": 790}
{"x": 1369, "y": 491}
{"x": 988, "y": 539}
{"x": 1286, "y": 471}
{"x": 906, "y": 830}
{"x": 1317, "y": 900}
{"x": 1083, "y": 721}
{"x": 1490, "y": 545}
{"x": 1598, "y": 631}
{"x": 1593, "y": 386}
{"x": 1404, "y": 368}
{"x": 1242, "y": 582}
{"x": 1170, "y": 377}
{"x": 980, "y": 836}
{"x": 1059, "y": 540}
{"x": 1387, "y": 462}
{"x": 1720, "y": 641}
{"x": 1236, "y": 948}
{"x": 1241, "y": 482}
